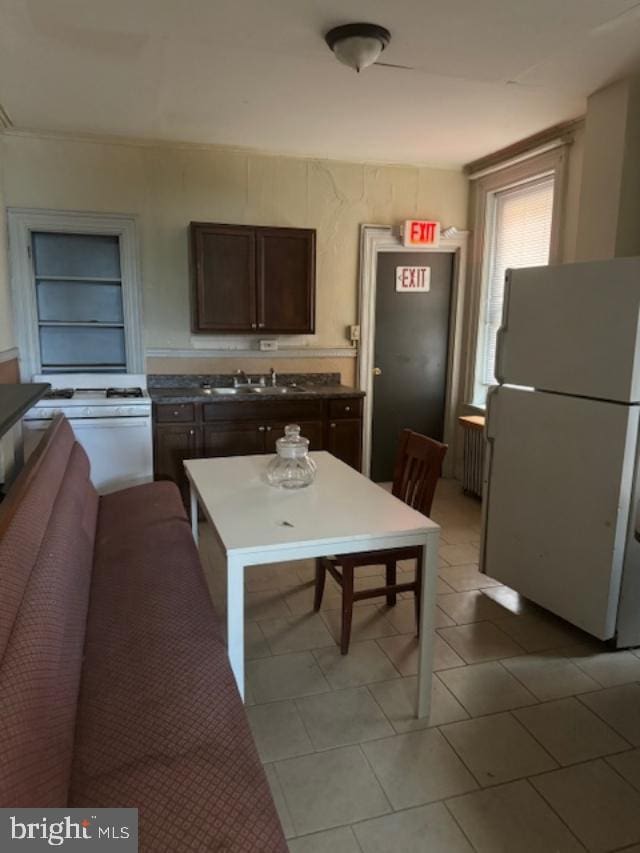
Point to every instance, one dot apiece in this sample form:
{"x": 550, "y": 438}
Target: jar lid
{"x": 292, "y": 445}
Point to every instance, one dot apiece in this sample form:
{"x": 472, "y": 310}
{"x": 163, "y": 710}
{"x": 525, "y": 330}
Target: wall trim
{"x": 380, "y": 238}
{"x": 306, "y": 352}
{"x": 9, "y": 354}
{"x": 538, "y": 143}
{"x": 482, "y": 194}
{"x": 177, "y": 144}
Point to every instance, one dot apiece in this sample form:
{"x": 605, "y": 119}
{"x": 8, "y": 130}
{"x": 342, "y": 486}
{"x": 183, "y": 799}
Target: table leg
{"x": 235, "y": 620}
{"x": 427, "y": 622}
{"x": 194, "y": 512}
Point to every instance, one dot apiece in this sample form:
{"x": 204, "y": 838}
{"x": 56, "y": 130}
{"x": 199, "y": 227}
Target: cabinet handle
{"x": 261, "y": 325}
{"x": 333, "y": 426}
{"x": 176, "y": 413}
{"x": 347, "y": 408}
{"x": 254, "y": 326}
{"x": 192, "y": 432}
{"x": 268, "y": 429}
{"x": 261, "y": 429}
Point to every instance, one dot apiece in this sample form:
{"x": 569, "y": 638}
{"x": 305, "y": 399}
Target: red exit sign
{"x": 421, "y": 232}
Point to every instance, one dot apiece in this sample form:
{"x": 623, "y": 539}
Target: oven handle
{"x": 139, "y": 421}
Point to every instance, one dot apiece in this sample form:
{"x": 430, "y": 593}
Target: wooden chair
{"x": 417, "y": 470}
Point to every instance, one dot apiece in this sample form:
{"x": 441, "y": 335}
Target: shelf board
{"x": 89, "y": 279}
{"x": 82, "y": 324}
{"x": 15, "y": 400}
{"x": 83, "y": 368}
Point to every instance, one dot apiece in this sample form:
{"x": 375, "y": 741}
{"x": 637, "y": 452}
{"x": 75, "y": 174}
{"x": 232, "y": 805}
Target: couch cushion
{"x": 156, "y": 677}
{"x": 41, "y": 661}
{"x": 124, "y": 513}
{"x": 160, "y": 722}
{"x": 194, "y": 802}
{"x": 22, "y": 537}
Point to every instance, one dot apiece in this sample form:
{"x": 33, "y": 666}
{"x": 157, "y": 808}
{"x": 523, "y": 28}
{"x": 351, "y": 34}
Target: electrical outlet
{"x": 354, "y": 333}
{"x": 268, "y": 345}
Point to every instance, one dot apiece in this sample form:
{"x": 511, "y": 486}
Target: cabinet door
{"x": 173, "y": 444}
{"x": 223, "y": 259}
{"x": 313, "y": 430}
{"x": 286, "y": 279}
{"x": 344, "y": 440}
{"x": 234, "y": 439}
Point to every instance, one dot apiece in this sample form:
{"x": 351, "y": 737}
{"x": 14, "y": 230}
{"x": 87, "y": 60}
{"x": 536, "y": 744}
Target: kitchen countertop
{"x": 303, "y": 392}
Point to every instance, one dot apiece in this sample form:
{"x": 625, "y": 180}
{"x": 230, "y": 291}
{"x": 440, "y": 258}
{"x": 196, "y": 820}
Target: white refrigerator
{"x": 561, "y": 487}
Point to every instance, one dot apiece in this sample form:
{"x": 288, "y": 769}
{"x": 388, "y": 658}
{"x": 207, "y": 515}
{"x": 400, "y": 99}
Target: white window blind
{"x": 519, "y": 236}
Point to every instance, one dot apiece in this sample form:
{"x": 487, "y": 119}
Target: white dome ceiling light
{"x": 358, "y": 45}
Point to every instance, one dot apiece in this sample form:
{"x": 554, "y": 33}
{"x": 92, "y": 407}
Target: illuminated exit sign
{"x": 421, "y": 232}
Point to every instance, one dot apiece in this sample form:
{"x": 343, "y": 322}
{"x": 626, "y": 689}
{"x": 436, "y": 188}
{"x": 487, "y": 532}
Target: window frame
{"x": 22, "y": 223}
{"x": 484, "y": 189}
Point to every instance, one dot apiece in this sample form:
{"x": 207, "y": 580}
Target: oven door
{"x": 119, "y": 449}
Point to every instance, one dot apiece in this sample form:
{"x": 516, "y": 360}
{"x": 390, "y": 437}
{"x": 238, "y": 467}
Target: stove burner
{"x": 123, "y": 392}
{"x": 59, "y": 394}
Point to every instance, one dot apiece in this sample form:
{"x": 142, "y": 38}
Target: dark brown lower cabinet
{"x": 313, "y": 430}
{"x": 344, "y": 440}
{"x": 191, "y": 430}
{"x": 173, "y": 443}
{"x": 232, "y": 439}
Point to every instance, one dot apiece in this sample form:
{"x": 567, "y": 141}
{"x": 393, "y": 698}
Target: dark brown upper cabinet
{"x": 252, "y": 279}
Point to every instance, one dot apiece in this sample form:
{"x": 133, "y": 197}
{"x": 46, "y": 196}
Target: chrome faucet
{"x": 241, "y": 379}
{"x": 241, "y": 375}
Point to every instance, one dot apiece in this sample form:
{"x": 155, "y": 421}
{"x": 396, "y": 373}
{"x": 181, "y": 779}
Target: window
{"x": 78, "y": 285}
{"x": 516, "y": 220}
{"x": 519, "y": 235}
{"x": 75, "y": 292}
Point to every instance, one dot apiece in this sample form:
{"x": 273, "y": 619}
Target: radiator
{"x": 473, "y": 453}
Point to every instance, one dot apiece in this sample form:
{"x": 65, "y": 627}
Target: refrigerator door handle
{"x": 502, "y": 331}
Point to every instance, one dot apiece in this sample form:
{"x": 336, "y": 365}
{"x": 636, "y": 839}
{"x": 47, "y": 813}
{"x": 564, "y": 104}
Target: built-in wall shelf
{"x": 16, "y": 400}
{"x": 91, "y": 324}
{"x": 82, "y": 279}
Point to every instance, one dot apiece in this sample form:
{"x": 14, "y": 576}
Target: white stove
{"x": 111, "y": 417}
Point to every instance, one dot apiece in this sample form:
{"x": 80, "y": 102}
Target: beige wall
{"x": 609, "y": 206}
{"x": 166, "y": 187}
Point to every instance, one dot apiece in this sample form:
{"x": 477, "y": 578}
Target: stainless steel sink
{"x": 226, "y": 392}
{"x": 267, "y": 390}
{"x": 276, "y": 389}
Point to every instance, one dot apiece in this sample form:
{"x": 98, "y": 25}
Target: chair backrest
{"x": 417, "y": 470}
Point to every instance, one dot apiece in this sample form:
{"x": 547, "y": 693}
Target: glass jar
{"x": 292, "y": 467}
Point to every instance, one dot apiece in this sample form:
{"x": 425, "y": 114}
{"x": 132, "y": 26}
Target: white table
{"x": 342, "y": 512}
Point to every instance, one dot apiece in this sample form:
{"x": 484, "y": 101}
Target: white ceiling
{"x": 257, "y": 73}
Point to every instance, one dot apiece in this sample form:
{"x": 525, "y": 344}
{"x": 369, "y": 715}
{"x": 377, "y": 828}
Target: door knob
{"x": 377, "y": 371}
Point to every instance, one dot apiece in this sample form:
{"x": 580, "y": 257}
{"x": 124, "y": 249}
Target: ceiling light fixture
{"x": 358, "y": 45}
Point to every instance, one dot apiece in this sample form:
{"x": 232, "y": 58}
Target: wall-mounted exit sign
{"x": 421, "y": 232}
{"x": 413, "y": 279}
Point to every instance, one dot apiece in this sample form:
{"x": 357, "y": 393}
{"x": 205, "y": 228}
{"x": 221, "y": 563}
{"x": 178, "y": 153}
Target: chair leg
{"x": 321, "y": 575}
{"x": 391, "y": 581}
{"x": 347, "y": 607}
{"x": 418, "y": 591}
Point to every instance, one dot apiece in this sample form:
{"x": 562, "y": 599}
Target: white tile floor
{"x": 530, "y": 747}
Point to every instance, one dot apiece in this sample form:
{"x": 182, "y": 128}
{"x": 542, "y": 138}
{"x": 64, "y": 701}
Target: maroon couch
{"x": 115, "y": 688}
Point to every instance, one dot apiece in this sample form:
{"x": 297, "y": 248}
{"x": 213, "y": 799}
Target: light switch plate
{"x": 268, "y": 346}
{"x": 354, "y": 333}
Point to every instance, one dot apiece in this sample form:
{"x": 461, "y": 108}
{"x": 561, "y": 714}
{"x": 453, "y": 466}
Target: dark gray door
{"x": 411, "y": 350}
